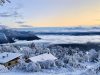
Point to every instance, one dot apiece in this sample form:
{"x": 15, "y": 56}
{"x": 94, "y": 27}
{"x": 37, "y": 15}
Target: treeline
{"x": 68, "y": 57}
{"x": 69, "y": 33}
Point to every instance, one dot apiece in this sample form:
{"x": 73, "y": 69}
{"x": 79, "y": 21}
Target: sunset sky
{"x": 49, "y": 13}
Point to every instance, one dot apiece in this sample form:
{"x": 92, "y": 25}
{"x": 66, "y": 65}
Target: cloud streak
{"x": 25, "y": 26}
{"x": 19, "y": 22}
{"x": 10, "y": 14}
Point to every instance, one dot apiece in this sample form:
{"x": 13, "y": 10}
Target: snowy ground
{"x": 77, "y": 72}
{"x": 61, "y": 71}
{"x": 38, "y": 73}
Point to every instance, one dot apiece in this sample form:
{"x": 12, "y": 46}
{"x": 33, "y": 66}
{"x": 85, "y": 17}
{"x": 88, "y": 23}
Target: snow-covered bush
{"x": 40, "y": 50}
{"x": 28, "y": 67}
{"x": 59, "y": 63}
{"x": 91, "y": 56}
{"x": 21, "y": 65}
{"x": 8, "y": 48}
{"x": 3, "y": 68}
{"x": 47, "y": 64}
{"x": 27, "y": 52}
{"x": 1, "y": 49}
{"x": 33, "y": 67}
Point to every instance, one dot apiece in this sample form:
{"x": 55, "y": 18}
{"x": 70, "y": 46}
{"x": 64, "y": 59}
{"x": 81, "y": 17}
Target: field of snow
{"x": 38, "y": 73}
{"x": 61, "y": 71}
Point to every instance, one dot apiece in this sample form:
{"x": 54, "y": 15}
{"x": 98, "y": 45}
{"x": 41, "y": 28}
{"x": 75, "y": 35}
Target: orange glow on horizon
{"x": 83, "y": 17}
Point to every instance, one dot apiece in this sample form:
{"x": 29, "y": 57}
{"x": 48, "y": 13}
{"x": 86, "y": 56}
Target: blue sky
{"x": 21, "y": 13}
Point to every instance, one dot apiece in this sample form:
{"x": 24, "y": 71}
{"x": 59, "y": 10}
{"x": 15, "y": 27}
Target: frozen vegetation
{"x": 71, "y": 61}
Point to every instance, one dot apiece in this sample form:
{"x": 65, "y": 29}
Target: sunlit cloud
{"x": 10, "y": 14}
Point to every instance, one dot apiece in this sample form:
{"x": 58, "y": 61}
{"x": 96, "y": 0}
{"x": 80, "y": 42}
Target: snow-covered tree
{"x": 28, "y": 67}
{"x": 59, "y": 63}
{"x": 33, "y": 67}
{"x": 92, "y": 55}
{"x": 4, "y": 1}
{"x": 8, "y": 48}
{"x": 47, "y": 64}
{"x": 27, "y": 52}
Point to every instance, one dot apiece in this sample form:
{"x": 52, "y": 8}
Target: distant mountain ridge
{"x": 8, "y": 35}
{"x": 63, "y": 30}
{"x": 58, "y": 29}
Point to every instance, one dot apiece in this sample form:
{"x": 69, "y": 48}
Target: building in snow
{"x": 43, "y": 57}
{"x": 9, "y": 59}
